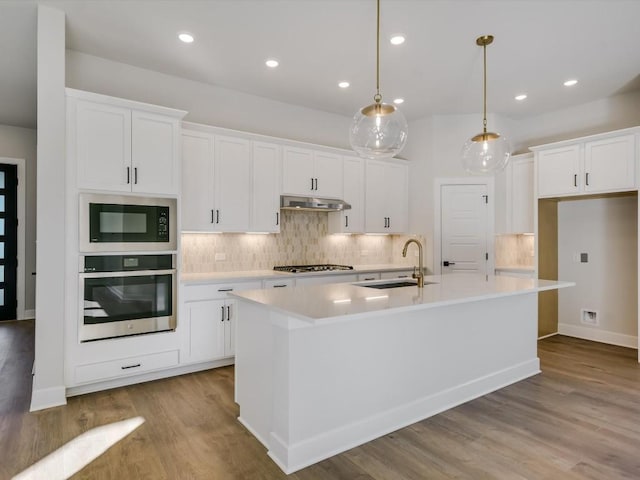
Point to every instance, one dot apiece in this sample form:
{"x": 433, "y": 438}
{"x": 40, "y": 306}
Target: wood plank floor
{"x": 579, "y": 419}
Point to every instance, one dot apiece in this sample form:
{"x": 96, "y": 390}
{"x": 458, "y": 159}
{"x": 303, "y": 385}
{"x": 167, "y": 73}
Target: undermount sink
{"x": 391, "y": 284}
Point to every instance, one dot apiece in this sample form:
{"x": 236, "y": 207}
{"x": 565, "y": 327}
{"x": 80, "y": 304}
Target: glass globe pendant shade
{"x": 486, "y": 153}
{"x": 378, "y": 130}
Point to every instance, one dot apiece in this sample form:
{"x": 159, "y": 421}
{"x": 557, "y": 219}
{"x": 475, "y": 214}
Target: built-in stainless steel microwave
{"x": 125, "y": 223}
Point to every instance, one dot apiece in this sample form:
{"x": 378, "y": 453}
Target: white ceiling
{"x": 539, "y": 44}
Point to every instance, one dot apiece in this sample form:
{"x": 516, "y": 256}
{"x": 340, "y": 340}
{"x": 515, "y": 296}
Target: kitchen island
{"x": 322, "y": 369}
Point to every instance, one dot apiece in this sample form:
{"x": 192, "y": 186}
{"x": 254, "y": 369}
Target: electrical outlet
{"x": 220, "y": 257}
{"x": 584, "y": 258}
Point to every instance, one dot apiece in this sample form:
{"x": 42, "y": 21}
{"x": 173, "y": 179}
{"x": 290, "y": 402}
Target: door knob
{"x": 447, "y": 263}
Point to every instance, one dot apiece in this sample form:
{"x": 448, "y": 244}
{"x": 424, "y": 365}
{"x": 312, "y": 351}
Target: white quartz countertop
{"x": 336, "y": 301}
{"x": 208, "y": 277}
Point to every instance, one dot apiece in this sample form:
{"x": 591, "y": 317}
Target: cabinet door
{"x": 328, "y": 175}
{"x": 559, "y": 171}
{"x": 397, "y": 198}
{"x": 154, "y": 153}
{"x": 230, "y": 328}
{"x": 610, "y": 164}
{"x": 102, "y": 146}
{"x": 297, "y": 171}
{"x": 232, "y": 180}
{"x": 521, "y": 196}
{"x": 375, "y": 197}
{"x": 197, "y": 181}
{"x": 265, "y": 216}
{"x": 207, "y": 327}
{"x": 352, "y": 220}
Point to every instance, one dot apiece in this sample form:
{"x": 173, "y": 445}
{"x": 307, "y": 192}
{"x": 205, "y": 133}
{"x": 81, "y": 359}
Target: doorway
{"x": 464, "y": 224}
{"x": 8, "y": 241}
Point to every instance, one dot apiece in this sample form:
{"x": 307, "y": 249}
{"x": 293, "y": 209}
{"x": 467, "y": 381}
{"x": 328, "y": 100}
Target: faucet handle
{"x": 414, "y": 274}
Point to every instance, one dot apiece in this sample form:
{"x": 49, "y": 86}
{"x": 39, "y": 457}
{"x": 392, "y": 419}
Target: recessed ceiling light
{"x": 343, "y": 84}
{"x": 272, "y": 63}
{"x": 521, "y": 97}
{"x": 397, "y": 39}
{"x": 570, "y": 83}
{"x": 186, "y": 37}
{"x": 398, "y": 101}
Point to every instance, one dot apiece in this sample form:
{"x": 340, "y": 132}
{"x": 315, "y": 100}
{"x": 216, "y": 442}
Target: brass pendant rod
{"x": 377, "y": 96}
{"x": 484, "y": 118}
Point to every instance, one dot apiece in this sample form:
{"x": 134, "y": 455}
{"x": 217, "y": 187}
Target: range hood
{"x": 288, "y": 202}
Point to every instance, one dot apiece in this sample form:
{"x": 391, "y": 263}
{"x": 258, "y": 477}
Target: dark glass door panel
{"x": 8, "y": 240}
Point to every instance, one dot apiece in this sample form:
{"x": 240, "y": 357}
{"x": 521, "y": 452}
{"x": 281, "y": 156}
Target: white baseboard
{"x": 548, "y": 335}
{"x": 597, "y": 335}
{"x": 293, "y": 457}
{"x": 29, "y": 315}
{"x": 47, "y": 397}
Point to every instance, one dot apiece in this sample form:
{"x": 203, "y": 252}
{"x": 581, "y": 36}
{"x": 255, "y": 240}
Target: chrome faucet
{"x": 420, "y": 274}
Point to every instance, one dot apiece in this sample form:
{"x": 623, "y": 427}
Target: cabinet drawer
{"x": 400, "y": 274}
{"x": 364, "y": 277}
{"x": 125, "y": 366}
{"x": 280, "y": 283}
{"x": 216, "y": 290}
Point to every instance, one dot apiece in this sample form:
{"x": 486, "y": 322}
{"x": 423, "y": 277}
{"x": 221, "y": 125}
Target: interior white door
{"x": 464, "y": 228}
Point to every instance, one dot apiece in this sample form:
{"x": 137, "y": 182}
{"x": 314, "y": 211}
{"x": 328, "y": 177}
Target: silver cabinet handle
{"x": 346, "y": 221}
{"x": 212, "y": 221}
{"x": 277, "y": 218}
{"x": 228, "y": 313}
{"x": 587, "y": 179}
{"x": 370, "y": 278}
{"x": 311, "y": 183}
{"x": 217, "y": 216}
{"x": 222, "y": 316}
{"x": 128, "y": 175}
{"x": 135, "y": 175}
{"x": 575, "y": 180}
{"x": 280, "y": 286}
{"x": 230, "y": 289}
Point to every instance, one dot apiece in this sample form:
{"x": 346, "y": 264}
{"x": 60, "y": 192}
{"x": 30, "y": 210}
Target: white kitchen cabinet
{"x": 387, "y": 198}
{"x": 351, "y": 220}
{"x": 311, "y": 173}
{"x": 559, "y": 171}
{"x": 123, "y": 146}
{"x": 520, "y": 196}
{"x": 598, "y": 164}
{"x": 197, "y": 181}
{"x": 265, "y": 216}
{"x": 609, "y": 164}
{"x": 208, "y": 321}
{"x": 232, "y": 184}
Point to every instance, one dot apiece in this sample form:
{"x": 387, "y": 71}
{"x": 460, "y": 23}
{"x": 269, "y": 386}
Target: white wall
{"x": 605, "y": 229}
{"x": 206, "y": 103}
{"x": 48, "y": 379}
{"x": 434, "y": 150}
{"x": 614, "y": 113}
{"x": 16, "y": 142}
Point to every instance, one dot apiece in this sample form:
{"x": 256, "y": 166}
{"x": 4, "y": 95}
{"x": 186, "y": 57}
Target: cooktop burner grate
{"x": 311, "y": 268}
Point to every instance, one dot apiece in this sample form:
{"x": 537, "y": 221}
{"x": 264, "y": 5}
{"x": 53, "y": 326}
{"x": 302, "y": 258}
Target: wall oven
{"x": 127, "y": 295}
{"x": 125, "y": 223}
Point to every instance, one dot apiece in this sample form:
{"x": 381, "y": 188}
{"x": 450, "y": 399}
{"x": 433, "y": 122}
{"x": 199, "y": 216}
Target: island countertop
{"x": 321, "y": 303}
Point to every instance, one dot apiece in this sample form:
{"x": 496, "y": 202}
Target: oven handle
{"x": 128, "y": 273}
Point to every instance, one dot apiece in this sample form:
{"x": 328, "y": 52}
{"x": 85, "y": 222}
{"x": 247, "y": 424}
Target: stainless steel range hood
{"x": 288, "y": 202}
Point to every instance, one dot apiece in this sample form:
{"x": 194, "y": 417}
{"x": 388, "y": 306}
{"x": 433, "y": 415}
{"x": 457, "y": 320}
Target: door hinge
{"x": 486, "y": 198}
{"x": 486, "y": 256}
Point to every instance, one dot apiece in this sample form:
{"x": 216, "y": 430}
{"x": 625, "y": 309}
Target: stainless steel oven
{"x": 125, "y": 223}
{"x": 127, "y": 295}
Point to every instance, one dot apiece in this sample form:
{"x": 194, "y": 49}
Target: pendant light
{"x": 378, "y": 130}
{"x": 486, "y": 152}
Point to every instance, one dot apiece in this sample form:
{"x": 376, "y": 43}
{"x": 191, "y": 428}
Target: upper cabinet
{"x": 351, "y": 220}
{"x": 123, "y": 146}
{"x": 311, "y": 173}
{"x": 229, "y": 184}
{"x": 520, "y": 196}
{"x": 598, "y": 164}
{"x": 386, "y": 196}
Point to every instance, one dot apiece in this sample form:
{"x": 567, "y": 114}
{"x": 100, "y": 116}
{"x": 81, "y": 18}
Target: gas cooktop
{"x": 311, "y": 268}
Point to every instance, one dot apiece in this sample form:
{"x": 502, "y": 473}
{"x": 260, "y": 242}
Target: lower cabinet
{"x": 208, "y": 321}
{"x": 396, "y": 274}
